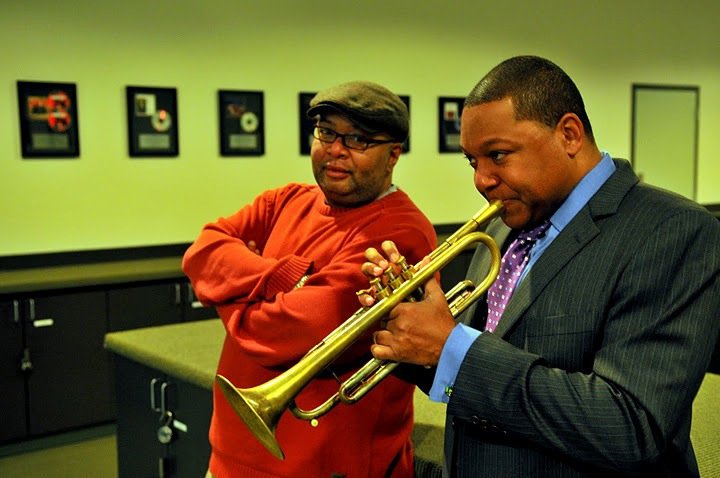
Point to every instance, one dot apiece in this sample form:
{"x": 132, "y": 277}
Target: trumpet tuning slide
{"x": 243, "y": 404}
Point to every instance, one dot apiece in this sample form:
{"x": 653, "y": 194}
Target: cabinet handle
{"x": 153, "y": 405}
{"x": 16, "y": 311}
{"x": 37, "y": 323}
{"x": 31, "y": 304}
{"x": 178, "y": 294}
{"x": 163, "y": 397}
{"x": 194, "y": 303}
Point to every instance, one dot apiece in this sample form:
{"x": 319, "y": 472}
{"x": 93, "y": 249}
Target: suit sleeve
{"x": 652, "y": 351}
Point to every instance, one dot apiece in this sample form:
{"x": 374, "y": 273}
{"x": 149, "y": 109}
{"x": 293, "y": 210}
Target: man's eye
{"x": 355, "y": 138}
{"x": 471, "y": 161}
{"x": 325, "y": 131}
{"x": 356, "y": 141}
{"x": 497, "y": 156}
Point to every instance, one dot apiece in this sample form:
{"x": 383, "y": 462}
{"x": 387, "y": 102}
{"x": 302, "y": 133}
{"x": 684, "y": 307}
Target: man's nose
{"x": 337, "y": 147}
{"x": 484, "y": 179}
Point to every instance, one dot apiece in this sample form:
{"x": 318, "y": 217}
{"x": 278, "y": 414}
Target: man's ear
{"x": 395, "y": 152}
{"x": 572, "y": 133}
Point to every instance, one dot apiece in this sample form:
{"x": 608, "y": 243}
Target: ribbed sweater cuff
{"x": 287, "y": 274}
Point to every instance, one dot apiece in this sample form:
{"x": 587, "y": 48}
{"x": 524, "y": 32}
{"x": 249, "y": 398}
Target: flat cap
{"x": 370, "y": 106}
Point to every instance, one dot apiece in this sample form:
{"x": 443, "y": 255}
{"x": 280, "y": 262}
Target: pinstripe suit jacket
{"x": 594, "y": 366}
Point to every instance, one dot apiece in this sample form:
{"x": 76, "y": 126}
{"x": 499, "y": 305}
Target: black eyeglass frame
{"x": 369, "y": 142}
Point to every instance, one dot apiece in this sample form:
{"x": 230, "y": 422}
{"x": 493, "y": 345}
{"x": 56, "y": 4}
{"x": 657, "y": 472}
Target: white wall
{"x": 422, "y": 49}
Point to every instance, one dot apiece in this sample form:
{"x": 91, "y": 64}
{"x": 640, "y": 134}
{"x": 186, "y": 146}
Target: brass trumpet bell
{"x": 254, "y": 408}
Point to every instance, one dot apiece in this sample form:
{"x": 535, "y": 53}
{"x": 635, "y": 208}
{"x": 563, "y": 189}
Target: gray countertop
{"x": 189, "y": 351}
{"x": 82, "y": 275}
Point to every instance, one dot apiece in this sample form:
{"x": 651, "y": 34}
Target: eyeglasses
{"x": 350, "y": 141}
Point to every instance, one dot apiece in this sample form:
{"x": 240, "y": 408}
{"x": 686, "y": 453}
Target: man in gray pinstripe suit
{"x": 596, "y": 360}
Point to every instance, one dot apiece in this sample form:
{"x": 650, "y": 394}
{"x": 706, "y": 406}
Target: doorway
{"x": 665, "y": 136}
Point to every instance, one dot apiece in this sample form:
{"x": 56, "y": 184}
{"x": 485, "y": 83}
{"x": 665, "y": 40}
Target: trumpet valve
{"x": 381, "y": 291}
{"x": 407, "y": 271}
{"x": 393, "y": 281}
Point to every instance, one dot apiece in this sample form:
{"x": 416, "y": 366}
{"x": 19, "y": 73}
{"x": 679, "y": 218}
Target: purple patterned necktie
{"x": 511, "y": 267}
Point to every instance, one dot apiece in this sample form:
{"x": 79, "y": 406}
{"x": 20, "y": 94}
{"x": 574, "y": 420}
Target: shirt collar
{"x": 583, "y": 191}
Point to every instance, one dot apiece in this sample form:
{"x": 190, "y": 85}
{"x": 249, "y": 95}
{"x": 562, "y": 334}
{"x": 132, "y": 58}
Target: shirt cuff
{"x": 451, "y": 357}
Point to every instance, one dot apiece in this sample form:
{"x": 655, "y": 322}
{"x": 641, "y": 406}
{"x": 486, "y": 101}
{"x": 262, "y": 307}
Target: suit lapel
{"x": 573, "y": 238}
{"x": 581, "y": 230}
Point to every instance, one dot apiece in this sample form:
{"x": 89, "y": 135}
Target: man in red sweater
{"x": 282, "y": 273}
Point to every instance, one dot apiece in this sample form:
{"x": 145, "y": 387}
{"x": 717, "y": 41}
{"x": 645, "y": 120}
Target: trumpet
{"x": 261, "y": 407}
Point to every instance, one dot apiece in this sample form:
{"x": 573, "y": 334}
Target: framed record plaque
{"x": 152, "y": 121}
{"x": 406, "y": 144}
{"x": 48, "y": 119}
{"x": 242, "y": 123}
{"x": 449, "y": 112}
{"x": 307, "y": 125}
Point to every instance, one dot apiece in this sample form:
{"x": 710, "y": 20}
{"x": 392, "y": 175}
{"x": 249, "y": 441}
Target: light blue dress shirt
{"x": 462, "y": 336}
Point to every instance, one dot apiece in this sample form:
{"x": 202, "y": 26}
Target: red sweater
{"x": 271, "y": 325}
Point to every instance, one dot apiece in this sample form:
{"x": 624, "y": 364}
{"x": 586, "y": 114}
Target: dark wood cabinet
{"x": 55, "y": 374}
{"x": 54, "y": 371}
{"x": 190, "y": 452}
{"x": 12, "y": 378}
{"x": 149, "y": 304}
{"x": 148, "y": 400}
{"x": 138, "y": 419}
{"x": 69, "y": 384}
{"x": 144, "y": 305}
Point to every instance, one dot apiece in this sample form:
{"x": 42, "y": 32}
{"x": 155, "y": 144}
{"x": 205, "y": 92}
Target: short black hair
{"x": 541, "y": 91}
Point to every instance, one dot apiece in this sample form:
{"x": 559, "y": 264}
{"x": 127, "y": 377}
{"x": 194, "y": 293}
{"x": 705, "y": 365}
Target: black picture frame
{"x": 152, "y": 120}
{"x": 49, "y": 124}
{"x": 308, "y": 124}
{"x": 449, "y": 113}
{"x": 242, "y": 123}
{"x": 406, "y": 144}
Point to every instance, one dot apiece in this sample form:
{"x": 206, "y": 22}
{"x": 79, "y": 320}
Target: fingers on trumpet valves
{"x": 376, "y": 291}
{"x": 386, "y": 275}
{"x": 391, "y": 251}
{"x": 365, "y": 297}
{"x": 376, "y": 262}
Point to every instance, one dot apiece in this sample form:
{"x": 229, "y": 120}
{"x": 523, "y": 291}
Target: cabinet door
{"x": 138, "y": 419}
{"x": 12, "y": 381}
{"x": 144, "y": 306}
{"x": 143, "y": 394}
{"x": 190, "y": 450}
{"x": 69, "y": 385}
